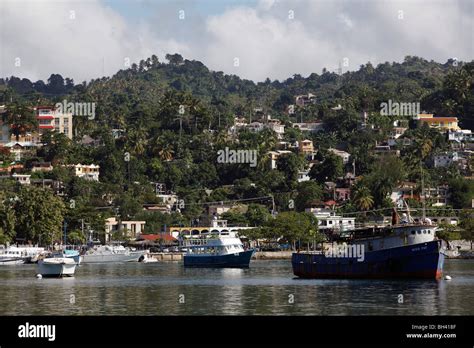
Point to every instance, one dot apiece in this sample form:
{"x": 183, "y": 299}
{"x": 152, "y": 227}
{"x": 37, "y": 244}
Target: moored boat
{"x": 69, "y": 253}
{"x": 109, "y": 253}
{"x": 14, "y": 255}
{"x": 56, "y": 267}
{"x": 215, "y": 248}
{"x": 404, "y": 250}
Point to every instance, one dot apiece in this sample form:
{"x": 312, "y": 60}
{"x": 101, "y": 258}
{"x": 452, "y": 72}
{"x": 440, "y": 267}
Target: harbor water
{"x": 268, "y": 287}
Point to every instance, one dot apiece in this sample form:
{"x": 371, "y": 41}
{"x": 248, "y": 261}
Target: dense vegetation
{"x": 175, "y": 116}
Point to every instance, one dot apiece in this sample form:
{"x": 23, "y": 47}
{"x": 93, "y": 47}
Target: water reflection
{"x": 266, "y": 288}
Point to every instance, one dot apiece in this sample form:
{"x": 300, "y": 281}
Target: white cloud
{"x": 79, "y": 39}
{"x": 268, "y": 41}
{"x": 323, "y": 33}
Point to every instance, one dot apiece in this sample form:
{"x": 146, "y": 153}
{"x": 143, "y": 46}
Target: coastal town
{"x": 73, "y": 172}
{"x": 198, "y": 171}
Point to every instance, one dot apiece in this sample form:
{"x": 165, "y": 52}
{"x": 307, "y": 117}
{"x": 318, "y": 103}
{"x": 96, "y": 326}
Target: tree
{"x": 363, "y": 199}
{"x": 307, "y": 191}
{"x": 257, "y": 214}
{"x": 293, "y": 227}
{"x": 56, "y": 147}
{"x": 7, "y": 217}
{"x": 20, "y": 118}
{"x": 461, "y": 193}
{"x": 328, "y": 170}
{"x": 235, "y": 218}
{"x": 384, "y": 176}
{"x": 467, "y": 225}
{"x": 129, "y": 205}
{"x": 447, "y": 232}
{"x": 174, "y": 59}
{"x": 76, "y": 237}
{"x": 290, "y": 164}
{"x": 39, "y": 215}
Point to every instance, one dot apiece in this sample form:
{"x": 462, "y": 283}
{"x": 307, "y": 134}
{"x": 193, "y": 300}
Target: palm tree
{"x": 166, "y": 153}
{"x": 363, "y": 198}
{"x": 137, "y": 140}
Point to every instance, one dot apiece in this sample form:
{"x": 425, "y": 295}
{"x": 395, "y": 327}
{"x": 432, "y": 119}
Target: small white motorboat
{"x": 57, "y": 267}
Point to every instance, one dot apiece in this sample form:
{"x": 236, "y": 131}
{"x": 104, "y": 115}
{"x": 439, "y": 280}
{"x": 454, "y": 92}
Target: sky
{"x": 254, "y": 39}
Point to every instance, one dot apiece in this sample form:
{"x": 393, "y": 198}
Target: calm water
{"x": 264, "y": 289}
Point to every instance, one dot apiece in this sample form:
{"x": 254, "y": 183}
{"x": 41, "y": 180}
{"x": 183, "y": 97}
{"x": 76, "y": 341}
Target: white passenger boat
{"x": 18, "y": 255}
{"x": 57, "y": 267}
{"x": 217, "y": 246}
{"x": 110, "y": 253}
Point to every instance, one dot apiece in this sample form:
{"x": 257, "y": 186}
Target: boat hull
{"x": 105, "y": 258}
{"x": 237, "y": 260}
{"x": 423, "y": 260}
{"x": 12, "y": 261}
{"x": 60, "y": 269}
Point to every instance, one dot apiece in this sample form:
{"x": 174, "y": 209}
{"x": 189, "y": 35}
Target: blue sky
{"x": 137, "y": 9}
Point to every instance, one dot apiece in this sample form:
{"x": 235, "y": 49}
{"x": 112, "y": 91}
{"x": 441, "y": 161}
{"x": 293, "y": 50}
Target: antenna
{"x": 423, "y": 192}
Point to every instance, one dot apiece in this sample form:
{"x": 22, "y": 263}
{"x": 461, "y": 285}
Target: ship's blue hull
{"x": 412, "y": 261}
{"x": 238, "y": 260}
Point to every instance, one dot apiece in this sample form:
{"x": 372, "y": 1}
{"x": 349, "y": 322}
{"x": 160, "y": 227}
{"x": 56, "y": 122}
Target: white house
{"x": 312, "y": 127}
{"x": 461, "y": 135}
{"x": 327, "y": 220}
{"x": 343, "y": 154}
{"x": 132, "y": 228}
{"x": 277, "y": 127}
{"x": 445, "y": 159}
{"x": 23, "y": 179}
{"x": 87, "y": 171}
{"x": 303, "y": 176}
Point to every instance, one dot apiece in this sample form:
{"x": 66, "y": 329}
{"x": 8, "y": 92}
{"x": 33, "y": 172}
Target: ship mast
{"x": 423, "y": 192}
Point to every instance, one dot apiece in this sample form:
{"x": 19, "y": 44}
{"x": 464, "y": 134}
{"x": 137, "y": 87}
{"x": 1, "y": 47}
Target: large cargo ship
{"x": 401, "y": 250}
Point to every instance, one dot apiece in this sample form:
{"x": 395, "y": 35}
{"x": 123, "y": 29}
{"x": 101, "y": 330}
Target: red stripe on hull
{"x": 424, "y": 275}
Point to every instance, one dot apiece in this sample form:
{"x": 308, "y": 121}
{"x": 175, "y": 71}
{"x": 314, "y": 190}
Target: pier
{"x": 167, "y": 256}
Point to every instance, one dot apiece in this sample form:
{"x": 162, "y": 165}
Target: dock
{"x": 167, "y": 256}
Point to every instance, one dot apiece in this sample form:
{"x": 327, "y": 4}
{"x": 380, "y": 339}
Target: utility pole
{"x": 65, "y": 232}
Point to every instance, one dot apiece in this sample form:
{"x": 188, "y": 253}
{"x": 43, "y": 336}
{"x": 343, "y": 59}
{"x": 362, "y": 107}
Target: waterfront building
{"x": 328, "y": 220}
{"x": 131, "y": 228}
